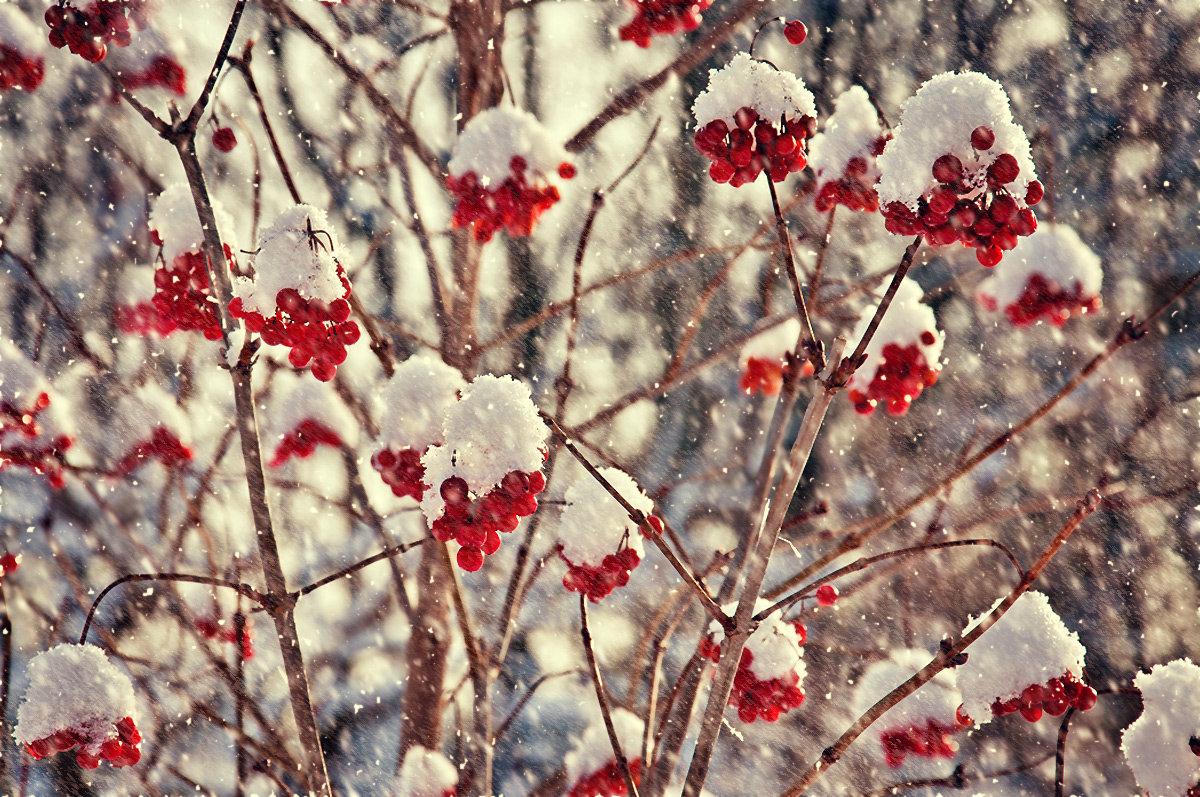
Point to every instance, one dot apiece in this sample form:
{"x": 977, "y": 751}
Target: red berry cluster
{"x": 44, "y": 459}
{"x": 755, "y": 699}
{"x": 900, "y": 379}
{"x": 989, "y": 220}
{"x": 1043, "y": 299}
{"x": 931, "y": 740}
{"x": 514, "y": 205}
{"x": 765, "y": 376}
{"x": 303, "y": 441}
{"x": 402, "y": 471}
{"x": 9, "y": 564}
{"x": 598, "y": 582}
{"x": 1055, "y": 697}
{"x": 87, "y": 32}
{"x": 18, "y": 70}
{"x": 163, "y": 445}
{"x": 224, "y": 139}
{"x": 317, "y": 332}
{"x": 182, "y": 295}
{"x": 120, "y": 751}
{"x": 211, "y": 629}
{"x": 662, "y": 18}
{"x": 607, "y": 781}
{"x": 142, "y": 318}
{"x": 474, "y": 524}
{"x": 852, "y": 189}
{"x": 740, "y": 155}
{"x": 163, "y": 72}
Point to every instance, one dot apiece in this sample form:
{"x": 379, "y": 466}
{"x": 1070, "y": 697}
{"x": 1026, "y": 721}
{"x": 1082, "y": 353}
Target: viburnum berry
{"x": 21, "y": 62}
{"x": 211, "y": 628}
{"x": 827, "y": 595}
{"x": 768, "y": 680}
{"x": 162, "y": 71}
{"x": 299, "y": 294}
{"x": 32, "y": 435}
{"x": 78, "y": 700}
{"x": 795, "y": 31}
{"x": 958, "y": 169}
{"x": 592, "y": 770}
{"x": 1055, "y": 277}
{"x": 224, "y": 139}
{"x": 501, "y": 173}
{"x": 86, "y": 31}
{"x": 163, "y": 445}
{"x": 902, "y": 357}
{"x": 596, "y": 537}
{"x": 426, "y": 773}
{"x": 662, "y": 18}
{"x": 764, "y": 359}
{"x": 753, "y": 118}
{"x": 9, "y": 563}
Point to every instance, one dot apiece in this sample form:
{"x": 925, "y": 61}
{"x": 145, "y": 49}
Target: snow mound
{"x": 904, "y": 324}
{"x": 174, "y": 221}
{"x": 411, "y": 405}
{"x": 772, "y": 345}
{"x": 74, "y": 687}
{"x": 776, "y": 645}
{"x": 1156, "y": 745}
{"x": 748, "y": 83}
{"x": 936, "y": 700}
{"x": 426, "y": 773}
{"x": 594, "y": 750}
{"x": 851, "y": 132}
{"x": 494, "y": 137}
{"x": 1057, "y": 253}
{"x": 593, "y": 523}
{"x": 290, "y": 256}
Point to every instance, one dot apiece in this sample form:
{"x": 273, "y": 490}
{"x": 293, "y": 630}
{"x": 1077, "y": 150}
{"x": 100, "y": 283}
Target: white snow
{"x": 594, "y": 750}
{"x": 74, "y": 687}
{"x": 426, "y": 773}
{"x": 936, "y": 700}
{"x": 296, "y": 399}
{"x": 1057, "y": 253}
{"x": 773, "y": 345}
{"x": 288, "y": 257}
{"x": 174, "y": 218}
{"x": 491, "y": 139}
{"x": 902, "y": 324}
{"x": 938, "y": 120}
{"x": 410, "y": 406}
{"x": 1029, "y": 645}
{"x": 19, "y": 32}
{"x": 747, "y": 83}
{"x": 593, "y": 523}
{"x": 850, "y": 132}
{"x": 20, "y": 380}
{"x": 775, "y": 645}
{"x": 1156, "y": 743}
{"x": 148, "y": 407}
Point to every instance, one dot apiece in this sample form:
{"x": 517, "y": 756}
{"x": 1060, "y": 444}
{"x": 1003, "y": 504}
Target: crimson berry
{"x": 9, "y": 563}
{"x": 470, "y": 558}
{"x": 795, "y": 31}
{"x": 827, "y": 595}
{"x": 1003, "y": 170}
{"x": 982, "y": 138}
{"x": 1194, "y": 745}
{"x": 947, "y": 169}
{"x": 1034, "y": 193}
{"x": 224, "y": 139}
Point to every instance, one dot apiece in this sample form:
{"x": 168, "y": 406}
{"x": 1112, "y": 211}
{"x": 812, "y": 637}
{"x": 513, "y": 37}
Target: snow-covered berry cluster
{"x": 78, "y": 700}
{"x": 662, "y": 18}
{"x": 487, "y": 474}
{"x": 305, "y": 415}
{"x": 1027, "y": 662}
{"x": 902, "y": 358}
{"x": 212, "y": 628}
{"x": 753, "y": 118}
{"x": 592, "y": 769}
{"x": 426, "y": 773}
{"x": 1161, "y": 746}
{"x": 88, "y": 31}
{"x": 410, "y": 408}
{"x": 596, "y": 538}
{"x": 770, "y": 673}
{"x": 298, "y": 296}
{"x": 843, "y": 155}
{"x": 501, "y": 172}
{"x": 1054, "y": 277}
{"x": 162, "y": 71}
{"x": 763, "y": 360}
{"x": 21, "y": 62}
{"x": 959, "y": 168}
{"x": 157, "y": 426}
{"x": 923, "y": 723}
{"x": 32, "y": 435}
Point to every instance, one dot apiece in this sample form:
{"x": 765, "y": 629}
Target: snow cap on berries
{"x": 748, "y": 83}
{"x": 594, "y": 750}
{"x": 298, "y": 251}
{"x": 776, "y": 645}
{"x": 494, "y": 137}
{"x": 936, "y": 700}
{"x": 174, "y": 221}
{"x": 772, "y": 345}
{"x": 593, "y": 523}
{"x": 74, "y": 687}
{"x": 905, "y": 323}
{"x": 1028, "y": 645}
{"x": 850, "y": 132}
{"x": 307, "y": 400}
{"x": 939, "y": 120}
{"x": 411, "y": 405}
{"x": 1056, "y": 252}
{"x": 1156, "y": 745}
{"x": 426, "y": 773}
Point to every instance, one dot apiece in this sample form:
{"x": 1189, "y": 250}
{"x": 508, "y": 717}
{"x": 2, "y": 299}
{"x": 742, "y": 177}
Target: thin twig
{"x": 242, "y": 589}
{"x": 198, "y": 107}
{"x": 525, "y": 698}
{"x": 814, "y": 350}
{"x": 386, "y": 553}
{"x": 598, "y": 682}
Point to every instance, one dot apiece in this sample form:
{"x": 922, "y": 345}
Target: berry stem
{"x": 197, "y": 110}
{"x": 814, "y": 349}
{"x": 386, "y": 553}
{"x": 598, "y": 683}
{"x": 1060, "y": 752}
{"x": 814, "y": 289}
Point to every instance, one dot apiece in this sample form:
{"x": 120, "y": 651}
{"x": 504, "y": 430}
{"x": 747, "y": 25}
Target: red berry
{"x": 470, "y": 559}
{"x": 1034, "y": 193}
{"x": 9, "y": 563}
{"x": 795, "y": 32}
{"x": 224, "y": 139}
{"x": 982, "y": 138}
{"x": 566, "y": 171}
{"x": 1003, "y": 170}
{"x": 827, "y": 595}
{"x": 947, "y": 169}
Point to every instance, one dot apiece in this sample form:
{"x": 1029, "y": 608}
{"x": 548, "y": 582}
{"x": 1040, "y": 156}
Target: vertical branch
{"x": 814, "y": 349}
{"x": 1060, "y": 752}
{"x": 239, "y": 696}
{"x": 5, "y": 683}
{"x": 598, "y": 683}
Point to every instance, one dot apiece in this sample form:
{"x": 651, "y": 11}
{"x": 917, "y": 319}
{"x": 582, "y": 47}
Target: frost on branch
{"x": 306, "y": 415}
{"x": 1028, "y": 662}
{"x": 78, "y": 700}
{"x": 902, "y": 358}
{"x": 662, "y": 18}
{"x": 298, "y": 296}
{"x": 959, "y": 169}
{"x": 596, "y": 538}
{"x": 153, "y": 427}
{"x": 753, "y": 117}
{"x": 487, "y": 474}
{"x": 1053, "y": 277}
{"x": 844, "y": 154}
{"x": 21, "y": 63}
{"x": 763, "y": 360}
{"x": 770, "y": 673}
{"x": 592, "y": 769}
{"x": 501, "y": 172}
{"x": 410, "y": 409}
{"x": 426, "y": 773}
{"x": 33, "y": 434}
{"x": 1161, "y": 745}
{"x": 922, "y": 723}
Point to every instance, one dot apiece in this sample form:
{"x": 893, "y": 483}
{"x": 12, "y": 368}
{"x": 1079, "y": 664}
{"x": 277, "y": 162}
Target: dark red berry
{"x": 947, "y": 169}
{"x": 795, "y": 31}
{"x": 224, "y": 139}
{"x": 982, "y": 138}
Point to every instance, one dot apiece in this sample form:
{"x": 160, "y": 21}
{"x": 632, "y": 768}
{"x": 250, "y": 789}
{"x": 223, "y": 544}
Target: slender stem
{"x": 598, "y": 683}
{"x": 242, "y": 65}
{"x": 1060, "y": 752}
{"x": 242, "y": 589}
{"x": 239, "y": 696}
{"x": 6, "y": 645}
{"x": 386, "y": 553}
{"x": 525, "y": 698}
{"x": 814, "y": 349}
{"x": 814, "y": 287}
{"x": 193, "y": 117}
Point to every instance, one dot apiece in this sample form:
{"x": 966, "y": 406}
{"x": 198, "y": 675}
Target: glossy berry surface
{"x": 9, "y": 564}
{"x": 855, "y": 188}
{"x": 118, "y": 746}
{"x": 19, "y": 71}
{"x": 897, "y": 382}
{"x": 317, "y": 332}
{"x": 795, "y": 31}
{"x": 20, "y": 446}
{"x": 514, "y": 205}
{"x": 753, "y": 145}
{"x": 598, "y": 582}
{"x": 827, "y": 595}
{"x": 756, "y": 699}
{"x": 1053, "y": 698}
{"x": 88, "y": 31}
{"x": 475, "y": 524}
{"x": 662, "y": 18}
{"x": 931, "y": 740}
{"x": 182, "y": 299}
{"x": 762, "y": 375}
